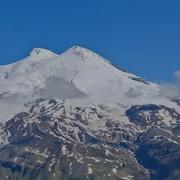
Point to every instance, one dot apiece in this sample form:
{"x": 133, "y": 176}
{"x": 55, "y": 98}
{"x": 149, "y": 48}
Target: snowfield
{"x": 79, "y": 75}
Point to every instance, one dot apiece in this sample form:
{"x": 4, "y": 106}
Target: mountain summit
{"x": 42, "y": 53}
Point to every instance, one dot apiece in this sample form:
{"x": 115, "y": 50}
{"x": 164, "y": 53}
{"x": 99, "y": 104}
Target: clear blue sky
{"x": 142, "y": 36}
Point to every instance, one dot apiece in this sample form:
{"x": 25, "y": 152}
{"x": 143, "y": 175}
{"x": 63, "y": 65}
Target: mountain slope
{"x": 77, "y": 74}
{"x": 75, "y": 116}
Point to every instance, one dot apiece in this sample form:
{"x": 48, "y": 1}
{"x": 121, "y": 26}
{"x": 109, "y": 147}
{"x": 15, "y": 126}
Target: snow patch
{"x": 90, "y": 171}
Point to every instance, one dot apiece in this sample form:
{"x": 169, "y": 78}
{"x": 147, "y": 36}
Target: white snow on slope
{"x": 78, "y": 74}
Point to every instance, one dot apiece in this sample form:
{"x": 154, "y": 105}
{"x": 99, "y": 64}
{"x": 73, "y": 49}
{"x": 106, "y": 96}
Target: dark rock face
{"x": 159, "y": 144}
{"x": 55, "y": 140}
{"x": 159, "y": 153}
{"x": 140, "y": 80}
{"x": 52, "y": 141}
{"x": 146, "y": 115}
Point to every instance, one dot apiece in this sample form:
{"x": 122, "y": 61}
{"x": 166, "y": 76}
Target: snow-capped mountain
{"x": 76, "y": 116}
{"x": 78, "y": 74}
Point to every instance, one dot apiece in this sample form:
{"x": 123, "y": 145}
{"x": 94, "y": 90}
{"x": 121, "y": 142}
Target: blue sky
{"x": 140, "y": 36}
